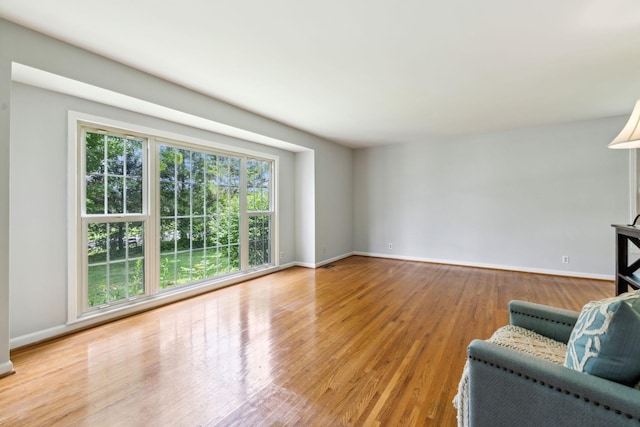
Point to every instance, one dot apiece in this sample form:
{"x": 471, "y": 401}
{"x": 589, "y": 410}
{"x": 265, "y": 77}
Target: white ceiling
{"x": 371, "y": 72}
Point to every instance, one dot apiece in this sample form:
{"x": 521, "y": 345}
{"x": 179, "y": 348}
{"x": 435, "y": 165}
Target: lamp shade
{"x": 630, "y": 135}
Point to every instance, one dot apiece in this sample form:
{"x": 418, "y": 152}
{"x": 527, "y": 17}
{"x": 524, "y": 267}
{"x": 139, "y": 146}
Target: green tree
{"x": 199, "y": 205}
{"x": 113, "y": 167}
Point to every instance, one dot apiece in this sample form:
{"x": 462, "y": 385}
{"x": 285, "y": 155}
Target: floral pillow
{"x": 606, "y": 339}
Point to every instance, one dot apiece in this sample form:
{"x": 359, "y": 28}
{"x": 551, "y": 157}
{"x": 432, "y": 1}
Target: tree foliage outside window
{"x": 113, "y": 183}
{"x": 259, "y": 207}
{"x": 200, "y": 215}
{"x": 198, "y": 203}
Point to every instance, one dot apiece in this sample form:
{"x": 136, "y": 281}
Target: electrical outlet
{"x": 390, "y": 245}
{"x": 565, "y": 259}
{"x": 281, "y": 255}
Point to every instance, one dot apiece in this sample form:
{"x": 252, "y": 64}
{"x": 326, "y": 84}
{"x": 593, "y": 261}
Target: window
{"x": 259, "y": 211}
{"x": 157, "y": 215}
{"x": 199, "y": 215}
{"x": 113, "y": 218}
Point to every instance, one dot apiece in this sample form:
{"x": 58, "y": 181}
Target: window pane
{"x": 197, "y": 233}
{"x": 213, "y": 265}
{"x": 114, "y": 179}
{"x": 211, "y": 198}
{"x": 234, "y": 172}
{"x": 135, "y": 240}
{"x": 168, "y": 235}
{"x": 234, "y": 200}
{"x": 134, "y": 195}
{"x": 117, "y": 241}
{"x": 94, "y": 178}
{"x": 115, "y": 191}
{"x": 198, "y": 261}
{"x": 95, "y": 194}
{"x": 259, "y": 240}
{"x": 224, "y": 260}
{"x": 197, "y": 166}
{"x": 183, "y": 199}
{"x": 184, "y": 233}
{"x": 183, "y": 182}
{"x": 94, "y": 153}
{"x": 136, "y": 278}
{"x": 134, "y": 158}
{"x": 199, "y": 196}
{"x": 167, "y": 197}
{"x": 117, "y": 285}
{"x": 167, "y": 271}
{"x": 97, "y": 243}
{"x": 258, "y": 185}
{"x": 234, "y": 258}
{"x": 167, "y": 161}
{"x": 115, "y": 155}
{"x": 183, "y": 268}
{"x": 222, "y": 171}
{"x": 115, "y": 262}
{"x": 212, "y": 229}
{"x": 97, "y": 282}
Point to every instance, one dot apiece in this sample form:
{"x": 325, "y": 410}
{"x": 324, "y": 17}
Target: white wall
{"x": 37, "y": 293}
{"x": 520, "y": 199}
{"x": 321, "y": 237}
{"x": 305, "y": 208}
{"x": 5, "y": 94}
{"x": 333, "y": 235}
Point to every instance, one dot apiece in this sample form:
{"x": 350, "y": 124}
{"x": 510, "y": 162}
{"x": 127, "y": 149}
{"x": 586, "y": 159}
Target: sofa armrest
{"x": 552, "y": 322}
{"x": 507, "y": 387}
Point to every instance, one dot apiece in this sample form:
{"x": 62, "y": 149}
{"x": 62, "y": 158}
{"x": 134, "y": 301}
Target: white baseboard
{"x": 6, "y": 368}
{"x": 287, "y": 265}
{"x": 39, "y": 336}
{"x": 334, "y": 259}
{"x": 492, "y": 266}
{"x": 305, "y": 264}
{"x": 323, "y": 262}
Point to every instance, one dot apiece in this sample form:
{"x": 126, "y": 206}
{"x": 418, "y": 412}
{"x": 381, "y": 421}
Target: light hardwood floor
{"x": 367, "y": 342}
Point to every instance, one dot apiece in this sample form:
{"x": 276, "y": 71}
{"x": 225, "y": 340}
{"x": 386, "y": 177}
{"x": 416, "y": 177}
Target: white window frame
{"x": 270, "y": 213}
{"x": 76, "y": 226}
{"x": 86, "y": 219}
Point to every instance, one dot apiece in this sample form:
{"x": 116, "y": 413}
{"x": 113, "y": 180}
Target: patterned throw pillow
{"x": 606, "y": 339}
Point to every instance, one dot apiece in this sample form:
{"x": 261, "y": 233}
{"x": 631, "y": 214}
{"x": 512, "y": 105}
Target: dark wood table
{"x": 626, "y": 276}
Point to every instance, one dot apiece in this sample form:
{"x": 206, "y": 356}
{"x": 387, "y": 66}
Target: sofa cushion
{"x": 606, "y": 339}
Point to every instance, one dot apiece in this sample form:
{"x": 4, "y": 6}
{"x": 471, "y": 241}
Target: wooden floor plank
{"x": 367, "y": 342}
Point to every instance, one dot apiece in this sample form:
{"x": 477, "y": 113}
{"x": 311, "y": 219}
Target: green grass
{"x": 176, "y": 269}
{"x": 181, "y": 268}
